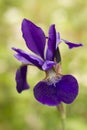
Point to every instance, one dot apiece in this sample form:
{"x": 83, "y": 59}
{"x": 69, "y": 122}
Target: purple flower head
{"x": 55, "y": 88}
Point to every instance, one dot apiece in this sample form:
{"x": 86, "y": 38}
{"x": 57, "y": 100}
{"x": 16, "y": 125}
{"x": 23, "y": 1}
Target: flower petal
{"x": 68, "y": 88}
{"x": 21, "y": 79}
{"x": 46, "y": 93}
{"x": 29, "y": 57}
{"x": 34, "y": 37}
{"x": 48, "y": 65}
{"x": 63, "y": 89}
{"x": 51, "y": 47}
{"x": 22, "y": 59}
{"x": 71, "y": 44}
{"x": 58, "y": 40}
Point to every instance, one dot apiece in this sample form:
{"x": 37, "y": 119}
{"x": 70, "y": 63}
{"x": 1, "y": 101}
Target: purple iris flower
{"x": 55, "y": 88}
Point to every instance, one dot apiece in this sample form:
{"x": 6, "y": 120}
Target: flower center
{"x": 51, "y": 73}
{"x": 52, "y": 77}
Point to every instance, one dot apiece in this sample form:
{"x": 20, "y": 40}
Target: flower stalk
{"x": 61, "y": 107}
{"x": 62, "y": 110}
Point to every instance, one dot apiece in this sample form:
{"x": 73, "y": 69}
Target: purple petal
{"x": 51, "y": 48}
{"x": 46, "y": 93}
{"x": 71, "y": 44}
{"x": 58, "y": 40}
{"x": 52, "y": 92}
{"x": 29, "y": 57}
{"x": 21, "y": 79}
{"x": 68, "y": 88}
{"x": 22, "y": 59}
{"x": 34, "y": 37}
{"x": 48, "y": 65}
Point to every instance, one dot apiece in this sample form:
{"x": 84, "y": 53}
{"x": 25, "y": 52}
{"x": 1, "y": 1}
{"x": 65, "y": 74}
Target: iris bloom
{"x": 55, "y": 88}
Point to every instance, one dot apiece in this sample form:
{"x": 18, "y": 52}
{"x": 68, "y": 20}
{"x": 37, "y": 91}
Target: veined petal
{"x": 46, "y": 93}
{"x": 68, "y": 89}
{"x": 29, "y": 57}
{"x": 34, "y": 37}
{"x": 71, "y": 44}
{"x": 48, "y": 65}
{"x": 21, "y": 79}
{"x": 51, "y": 46}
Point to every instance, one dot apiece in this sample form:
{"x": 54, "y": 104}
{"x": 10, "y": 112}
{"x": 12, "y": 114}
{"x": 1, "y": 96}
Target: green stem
{"x": 62, "y": 111}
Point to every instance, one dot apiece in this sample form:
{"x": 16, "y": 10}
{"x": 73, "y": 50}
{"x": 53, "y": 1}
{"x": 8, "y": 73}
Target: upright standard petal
{"x": 21, "y": 79}
{"x": 58, "y": 40}
{"x": 51, "y": 46}
{"x": 68, "y": 88}
{"x": 34, "y": 37}
{"x": 46, "y": 93}
{"x": 71, "y": 44}
{"x": 29, "y": 57}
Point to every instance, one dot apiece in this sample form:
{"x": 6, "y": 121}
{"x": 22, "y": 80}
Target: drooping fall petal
{"x": 63, "y": 89}
{"x": 46, "y": 93}
{"x": 67, "y": 88}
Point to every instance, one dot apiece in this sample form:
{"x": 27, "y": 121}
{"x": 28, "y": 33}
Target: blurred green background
{"x": 22, "y": 111}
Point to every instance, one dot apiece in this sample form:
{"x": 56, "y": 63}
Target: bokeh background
{"x": 22, "y": 111}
